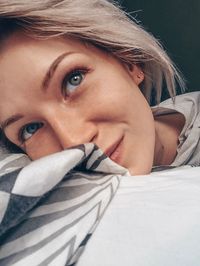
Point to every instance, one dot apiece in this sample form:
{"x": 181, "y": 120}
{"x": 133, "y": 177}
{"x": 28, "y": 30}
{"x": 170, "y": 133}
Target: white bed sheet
{"x": 153, "y": 220}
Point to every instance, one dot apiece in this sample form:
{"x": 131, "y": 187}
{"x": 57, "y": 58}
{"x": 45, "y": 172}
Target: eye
{"x": 72, "y": 81}
{"x": 28, "y": 130}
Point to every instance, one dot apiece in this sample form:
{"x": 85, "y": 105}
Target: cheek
{"x": 109, "y": 100}
{"x": 40, "y": 146}
{"x": 128, "y": 104}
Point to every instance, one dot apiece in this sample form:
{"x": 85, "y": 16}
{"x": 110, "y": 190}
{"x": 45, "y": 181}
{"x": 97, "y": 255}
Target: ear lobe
{"x": 136, "y": 73}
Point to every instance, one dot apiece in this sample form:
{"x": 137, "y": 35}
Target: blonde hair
{"x": 101, "y": 23}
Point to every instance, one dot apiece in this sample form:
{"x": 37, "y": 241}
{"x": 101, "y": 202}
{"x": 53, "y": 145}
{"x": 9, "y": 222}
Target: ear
{"x": 137, "y": 73}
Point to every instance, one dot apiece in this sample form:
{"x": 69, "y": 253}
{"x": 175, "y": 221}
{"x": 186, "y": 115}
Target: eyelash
{"x": 21, "y": 131}
{"x": 77, "y": 70}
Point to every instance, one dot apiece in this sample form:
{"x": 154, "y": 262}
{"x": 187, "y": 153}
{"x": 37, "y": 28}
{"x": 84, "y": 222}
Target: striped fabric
{"x": 50, "y": 207}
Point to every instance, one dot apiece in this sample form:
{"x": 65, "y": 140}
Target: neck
{"x": 167, "y": 128}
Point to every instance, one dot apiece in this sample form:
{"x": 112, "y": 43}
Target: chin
{"x": 139, "y": 170}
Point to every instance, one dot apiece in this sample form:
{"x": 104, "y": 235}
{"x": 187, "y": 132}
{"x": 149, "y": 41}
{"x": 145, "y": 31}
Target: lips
{"x": 113, "y": 152}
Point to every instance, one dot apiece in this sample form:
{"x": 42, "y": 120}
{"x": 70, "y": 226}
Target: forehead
{"x": 19, "y": 53}
{"x": 25, "y": 61}
{"x": 19, "y": 45}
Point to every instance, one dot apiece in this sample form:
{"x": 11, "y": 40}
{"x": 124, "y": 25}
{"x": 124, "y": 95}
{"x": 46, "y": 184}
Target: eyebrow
{"x": 46, "y": 81}
{"x": 49, "y": 75}
{"x": 10, "y": 120}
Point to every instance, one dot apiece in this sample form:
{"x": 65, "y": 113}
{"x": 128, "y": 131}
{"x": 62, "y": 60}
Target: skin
{"x": 105, "y": 107}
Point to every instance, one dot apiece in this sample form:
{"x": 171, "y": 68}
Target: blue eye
{"x": 28, "y": 130}
{"x": 72, "y": 81}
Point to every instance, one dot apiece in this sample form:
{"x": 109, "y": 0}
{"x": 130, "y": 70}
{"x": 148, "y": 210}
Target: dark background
{"x": 176, "y": 23}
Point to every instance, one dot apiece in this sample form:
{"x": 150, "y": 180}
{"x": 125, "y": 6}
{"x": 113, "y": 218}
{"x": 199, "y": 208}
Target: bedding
{"x": 153, "y": 220}
{"x": 187, "y": 104}
{"x": 79, "y": 200}
{"x": 50, "y": 207}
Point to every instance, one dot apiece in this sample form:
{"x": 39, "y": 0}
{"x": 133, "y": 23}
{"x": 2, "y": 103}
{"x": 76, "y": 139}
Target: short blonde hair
{"x": 101, "y": 23}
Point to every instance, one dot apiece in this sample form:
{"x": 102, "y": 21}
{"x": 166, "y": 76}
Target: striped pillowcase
{"x": 50, "y": 207}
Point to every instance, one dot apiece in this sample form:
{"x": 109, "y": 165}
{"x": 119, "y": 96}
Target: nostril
{"x": 93, "y": 139}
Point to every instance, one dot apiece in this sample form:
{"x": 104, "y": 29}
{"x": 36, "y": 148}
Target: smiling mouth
{"x": 114, "y": 151}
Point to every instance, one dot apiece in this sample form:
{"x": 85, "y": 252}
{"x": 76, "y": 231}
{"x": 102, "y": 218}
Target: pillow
{"x": 50, "y": 207}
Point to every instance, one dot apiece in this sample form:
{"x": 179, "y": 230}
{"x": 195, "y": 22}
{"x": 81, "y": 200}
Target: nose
{"x": 72, "y": 130}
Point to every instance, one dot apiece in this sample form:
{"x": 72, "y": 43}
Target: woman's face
{"x": 59, "y": 93}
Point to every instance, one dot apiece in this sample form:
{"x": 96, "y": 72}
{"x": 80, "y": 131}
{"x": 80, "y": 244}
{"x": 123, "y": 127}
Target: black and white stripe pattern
{"x": 50, "y": 207}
